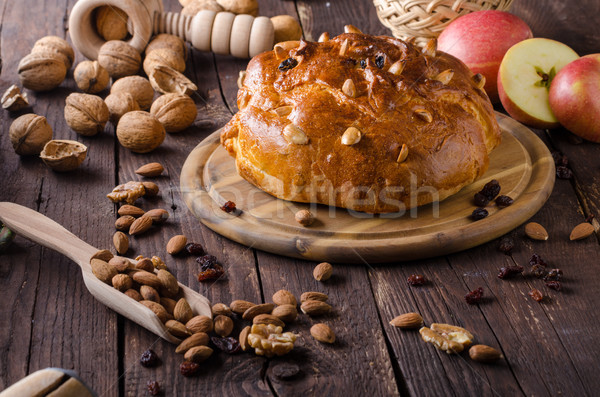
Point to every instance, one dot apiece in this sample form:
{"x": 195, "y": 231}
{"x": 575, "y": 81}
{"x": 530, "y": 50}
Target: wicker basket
{"x": 423, "y": 19}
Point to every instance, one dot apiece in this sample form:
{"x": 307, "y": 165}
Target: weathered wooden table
{"x": 49, "y": 319}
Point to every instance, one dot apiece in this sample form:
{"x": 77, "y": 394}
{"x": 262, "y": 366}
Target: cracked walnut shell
{"x": 13, "y": 99}
{"x": 176, "y": 112}
{"x": 168, "y": 80}
{"x": 29, "y": 133}
{"x": 86, "y": 114}
{"x": 140, "y": 132}
{"x": 268, "y": 340}
{"x": 63, "y": 155}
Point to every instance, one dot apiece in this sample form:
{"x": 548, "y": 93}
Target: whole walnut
{"x": 195, "y": 6}
{"x": 176, "y": 112}
{"x": 29, "y": 133}
{"x": 163, "y": 56}
{"x": 119, "y": 59}
{"x": 240, "y": 6}
{"x": 169, "y": 41}
{"x": 91, "y": 77}
{"x": 56, "y": 45}
{"x": 41, "y": 71}
{"x": 138, "y": 86}
{"x": 111, "y": 23}
{"x": 120, "y": 103}
{"x": 86, "y": 114}
{"x": 287, "y": 28}
{"x": 140, "y": 132}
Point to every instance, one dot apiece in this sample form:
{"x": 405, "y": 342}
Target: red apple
{"x": 575, "y": 97}
{"x": 480, "y": 39}
{"x": 524, "y": 79}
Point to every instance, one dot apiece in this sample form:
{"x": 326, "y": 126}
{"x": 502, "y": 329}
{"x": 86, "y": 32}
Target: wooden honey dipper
{"x": 225, "y": 33}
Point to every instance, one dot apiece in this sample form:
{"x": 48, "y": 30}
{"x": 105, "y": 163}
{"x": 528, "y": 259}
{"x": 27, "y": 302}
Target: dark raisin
{"x": 510, "y": 271}
{"x": 380, "y": 61}
{"x": 207, "y": 261}
{"x": 538, "y": 271}
{"x": 416, "y": 280}
{"x": 554, "y": 275}
{"x": 228, "y": 207}
{"x": 211, "y": 274}
{"x": 363, "y": 63}
{"x": 153, "y": 388}
{"x": 563, "y": 172}
{"x": 536, "y": 295}
{"x": 479, "y": 213}
{"x": 560, "y": 159}
{"x": 149, "y": 359}
{"x": 474, "y": 296}
{"x": 480, "y": 200}
{"x": 288, "y": 64}
{"x": 555, "y": 285}
{"x": 537, "y": 260}
{"x": 285, "y": 371}
{"x": 506, "y": 245}
{"x": 189, "y": 368}
{"x": 491, "y": 189}
{"x": 194, "y": 249}
{"x": 504, "y": 201}
{"x": 228, "y": 344}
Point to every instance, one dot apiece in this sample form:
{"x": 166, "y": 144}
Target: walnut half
{"x": 268, "y": 340}
{"x": 448, "y": 338}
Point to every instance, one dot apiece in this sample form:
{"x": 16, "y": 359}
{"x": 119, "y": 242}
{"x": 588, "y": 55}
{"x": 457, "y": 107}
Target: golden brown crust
{"x": 448, "y": 126}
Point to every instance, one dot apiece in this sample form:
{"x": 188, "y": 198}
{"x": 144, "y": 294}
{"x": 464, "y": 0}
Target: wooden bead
{"x": 221, "y": 33}
{"x": 240, "y": 36}
{"x": 202, "y": 25}
{"x": 261, "y": 36}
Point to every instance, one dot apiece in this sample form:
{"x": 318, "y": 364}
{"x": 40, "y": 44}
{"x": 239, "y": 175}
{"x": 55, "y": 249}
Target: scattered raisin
{"x": 554, "y": 275}
{"x": 555, "y": 285}
{"x": 228, "y": 207}
{"x": 285, "y": 371}
{"x": 537, "y": 260}
{"x": 474, "y": 296}
{"x": 380, "y": 61}
{"x": 363, "y": 63}
{"x": 211, "y": 274}
{"x": 416, "y": 280}
{"x": 510, "y": 271}
{"x": 288, "y": 64}
{"x": 506, "y": 245}
{"x": 207, "y": 261}
{"x": 504, "y": 201}
{"x": 491, "y": 189}
{"x": 536, "y": 295}
{"x": 194, "y": 249}
{"x": 153, "y": 388}
{"x": 480, "y": 200}
{"x": 560, "y": 159}
{"x": 563, "y": 172}
{"x": 479, "y": 213}
{"x": 189, "y": 368}
{"x": 149, "y": 359}
{"x": 228, "y": 344}
{"x": 538, "y": 271}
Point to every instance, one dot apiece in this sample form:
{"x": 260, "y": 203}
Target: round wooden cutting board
{"x": 522, "y": 164}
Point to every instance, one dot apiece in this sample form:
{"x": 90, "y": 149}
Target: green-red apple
{"x": 575, "y": 97}
{"x": 480, "y": 39}
{"x": 524, "y": 79}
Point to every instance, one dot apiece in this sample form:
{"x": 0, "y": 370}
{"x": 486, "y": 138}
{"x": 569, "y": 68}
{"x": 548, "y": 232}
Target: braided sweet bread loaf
{"x": 362, "y": 122}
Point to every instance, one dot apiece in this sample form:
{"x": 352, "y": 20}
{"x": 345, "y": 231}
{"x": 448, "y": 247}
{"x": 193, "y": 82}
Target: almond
{"x": 407, "y": 321}
{"x": 131, "y": 210}
{"x": 221, "y": 309}
{"x": 150, "y": 170}
{"x": 133, "y": 294}
{"x": 146, "y": 278}
{"x": 145, "y": 264}
{"x": 157, "y": 308}
{"x": 223, "y": 325}
{"x": 150, "y": 294}
{"x": 169, "y": 305}
{"x": 121, "y": 242}
{"x": 182, "y": 311}
{"x": 199, "y": 339}
{"x": 122, "y": 282}
{"x": 120, "y": 263}
{"x": 198, "y": 354}
{"x": 286, "y": 313}
{"x": 124, "y": 222}
{"x": 140, "y": 225}
{"x": 244, "y": 338}
{"x": 177, "y": 329}
{"x": 536, "y": 231}
{"x": 323, "y": 271}
{"x": 484, "y": 354}
{"x": 315, "y": 308}
{"x": 240, "y": 306}
{"x": 255, "y": 310}
{"x": 150, "y": 189}
{"x": 176, "y": 244}
{"x": 158, "y": 216}
{"x": 268, "y": 319}
{"x": 103, "y": 271}
{"x": 284, "y": 297}
{"x": 170, "y": 286}
{"x": 104, "y": 255}
{"x": 323, "y": 333}
{"x": 313, "y": 296}
{"x": 200, "y": 324}
{"x": 581, "y": 231}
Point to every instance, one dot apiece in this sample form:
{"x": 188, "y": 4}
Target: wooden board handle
{"x": 44, "y": 231}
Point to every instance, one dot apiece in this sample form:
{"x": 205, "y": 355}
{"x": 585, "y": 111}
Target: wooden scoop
{"x": 43, "y": 230}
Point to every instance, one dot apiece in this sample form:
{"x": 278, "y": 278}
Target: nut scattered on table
{"x": 124, "y": 222}
{"x": 240, "y": 306}
{"x": 286, "y": 312}
{"x": 150, "y": 189}
{"x": 536, "y": 231}
{"x": 408, "y": 321}
{"x": 86, "y": 114}
{"x": 140, "y": 225}
{"x": 446, "y": 337}
{"x": 176, "y": 244}
{"x": 253, "y": 311}
{"x": 315, "y": 308}
{"x": 198, "y": 354}
{"x": 138, "y": 86}
{"x": 163, "y": 56}
{"x": 323, "y": 271}
{"x": 119, "y": 59}
{"x": 140, "y": 132}
{"x": 121, "y": 242}
{"x": 581, "y": 231}
{"x": 221, "y": 309}
{"x": 197, "y": 339}
{"x": 270, "y": 340}
{"x": 284, "y": 297}
{"x": 223, "y": 325}
{"x": 90, "y": 77}
{"x": 323, "y": 333}
{"x": 111, "y": 23}
{"x": 128, "y": 192}
{"x": 305, "y": 217}
{"x": 13, "y": 99}
{"x": 313, "y": 296}
{"x": 484, "y": 354}
{"x": 41, "y": 71}
{"x": 158, "y": 215}
{"x": 268, "y": 319}
{"x": 150, "y": 170}
{"x": 176, "y": 112}
{"x": 118, "y": 104}
{"x": 29, "y": 134}
{"x": 58, "y": 46}
{"x": 167, "y": 80}
{"x": 200, "y": 323}
{"x": 131, "y": 210}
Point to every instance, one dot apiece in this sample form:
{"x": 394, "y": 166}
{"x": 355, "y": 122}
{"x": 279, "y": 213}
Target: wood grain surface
{"x": 49, "y": 318}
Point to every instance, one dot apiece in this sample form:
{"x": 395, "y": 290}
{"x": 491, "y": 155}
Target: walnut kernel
{"x": 268, "y": 340}
{"x": 128, "y": 192}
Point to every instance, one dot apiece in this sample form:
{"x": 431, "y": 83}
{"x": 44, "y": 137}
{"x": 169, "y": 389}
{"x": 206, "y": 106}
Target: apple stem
{"x": 546, "y": 77}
